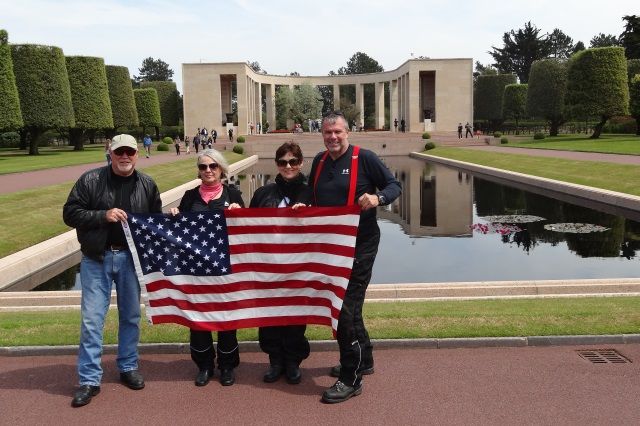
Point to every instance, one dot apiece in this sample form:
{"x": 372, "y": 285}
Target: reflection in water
{"x": 422, "y": 230}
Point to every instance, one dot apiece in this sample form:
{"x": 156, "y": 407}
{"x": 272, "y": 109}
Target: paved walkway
{"x": 484, "y": 386}
{"x": 20, "y": 181}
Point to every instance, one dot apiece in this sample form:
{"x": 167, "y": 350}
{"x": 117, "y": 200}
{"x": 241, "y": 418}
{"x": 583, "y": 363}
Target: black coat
{"x": 90, "y": 198}
{"x": 271, "y": 195}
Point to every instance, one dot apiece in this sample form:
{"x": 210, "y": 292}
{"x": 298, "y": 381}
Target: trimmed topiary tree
{"x": 90, "y": 97}
{"x": 43, "y": 89}
{"x": 514, "y": 102}
{"x": 168, "y": 97}
{"x": 547, "y": 91}
{"x": 634, "y": 100}
{"x": 123, "y": 105}
{"x": 148, "y": 108}
{"x": 238, "y": 149}
{"x": 597, "y": 85}
{"x": 488, "y": 96}
{"x": 10, "y": 114}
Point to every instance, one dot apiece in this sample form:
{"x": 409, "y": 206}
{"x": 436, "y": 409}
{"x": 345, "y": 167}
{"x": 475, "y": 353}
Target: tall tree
{"x": 633, "y": 68}
{"x": 307, "y": 103}
{"x": 520, "y": 49}
{"x": 148, "y": 108}
{"x": 547, "y": 91}
{"x": 43, "y": 89}
{"x": 255, "y": 66}
{"x": 154, "y": 70}
{"x": 90, "y": 97}
{"x": 630, "y": 37}
{"x": 514, "y": 102}
{"x": 604, "y": 40}
{"x": 168, "y": 97}
{"x": 284, "y": 106}
{"x": 578, "y": 47}
{"x": 561, "y": 45}
{"x": 597, "y": 85}
{"x": 488, "y": 97}
{"x": 123, "y": 105}
{"x": 10, "y": 114}
{"x": 360, "y": 63}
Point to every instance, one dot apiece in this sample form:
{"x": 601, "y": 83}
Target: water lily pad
{"x": 498, "y": 228}
{"x": 575, "y": 228}
{"x": 513, "y": 218}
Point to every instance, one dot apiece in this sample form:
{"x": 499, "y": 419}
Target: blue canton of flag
{"x": 189, "y": 243}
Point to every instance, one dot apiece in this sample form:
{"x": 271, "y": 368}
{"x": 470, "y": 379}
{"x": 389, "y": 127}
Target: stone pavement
{"x": 411, "y": 386}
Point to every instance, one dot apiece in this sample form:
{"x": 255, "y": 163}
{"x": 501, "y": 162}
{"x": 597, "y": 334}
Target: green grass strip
{"x": 432, "y": 319}
{"x": 615, "y": 177}
{"x": 608, "y": 144}
{"x": 34, "y": 215}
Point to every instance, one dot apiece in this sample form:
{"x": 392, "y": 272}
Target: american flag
{"x": 240, "y": 268}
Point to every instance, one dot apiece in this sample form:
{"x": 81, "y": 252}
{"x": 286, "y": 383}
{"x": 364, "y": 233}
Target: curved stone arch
{"x": 440, "y": 88}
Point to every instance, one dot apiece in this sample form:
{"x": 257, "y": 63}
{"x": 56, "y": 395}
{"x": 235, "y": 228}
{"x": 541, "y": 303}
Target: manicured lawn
{"x": 612, "y": 144}
{"x": 31, "y": 216}
{"x": 15, "y": 160}
{"x": 433, "y": 319}
{"x": 615, "y": 177}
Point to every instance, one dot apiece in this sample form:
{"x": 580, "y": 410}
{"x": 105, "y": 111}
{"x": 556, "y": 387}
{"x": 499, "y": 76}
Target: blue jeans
{"x": 96, "y": 280}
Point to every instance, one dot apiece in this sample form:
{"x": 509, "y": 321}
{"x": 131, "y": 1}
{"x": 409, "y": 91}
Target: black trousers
{"x": 356, "y": 350}
{"x": 285, "y": 345}
{"x": 203, "y": 354}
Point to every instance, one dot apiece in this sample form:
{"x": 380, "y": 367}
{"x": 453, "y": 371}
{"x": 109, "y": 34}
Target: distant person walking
{"x": 214, "y": 135}
{"x": 107, "y": 150}
{"x": 176, "y": 143}
{"x": 147, "y": 142}
{"x": 395, "y": 124}
{"x": 196, "y": 143}
{"x": 402, "y": 125}
{"x": 469, "y": 130}
{"x": 187, "y": 144}
{"x": 459, "y": 130}
{"x": 231, "y": 135}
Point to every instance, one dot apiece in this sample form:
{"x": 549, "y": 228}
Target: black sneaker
{"x": 335, "y": 371}
{"x": 203, "y": 377}
{"x": 340, "y": 392}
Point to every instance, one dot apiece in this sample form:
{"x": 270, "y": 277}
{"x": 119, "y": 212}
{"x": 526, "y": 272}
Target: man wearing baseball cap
{"x": 97, "y": 204}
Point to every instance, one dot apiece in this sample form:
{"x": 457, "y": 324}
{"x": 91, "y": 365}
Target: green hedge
{"x": 488, "y": 95}
{"x": 514, "y": 101}
{"x": 148, "y": 107}
{"x": 123, "y": 105}
{"x": 597, "y": 84}
{"x": 10, "y": 114}
{"x": 238, "y": 149}
{"x": 547, "y": 91}
{"x": 89, "y": 92}
{"x": 163, "y": 147}
{"x": 429, "y": 145}
{"x": 426, "y": 135}
{"x": 43, "y": 86}
{"x": 240, "y": 139}
{"x": 167, "y": 140}
{"x": 168, "y": 97}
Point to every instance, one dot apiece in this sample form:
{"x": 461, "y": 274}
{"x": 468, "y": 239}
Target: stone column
{"x": 258, "y": 106}
{"x": 216, "y": 111}
{"x": 379, "y": 103}
{"x": 271, "y": 105}
{"x": 243, "y": 95}
{"x": 394, "y": 113}
{"x": 415, "y": 121}
{"x": 336, "y": 96}
{"x": 360, "y": 103}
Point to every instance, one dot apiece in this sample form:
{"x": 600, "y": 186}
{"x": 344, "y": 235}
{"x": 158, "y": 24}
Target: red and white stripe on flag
{"x": 287, "y": 267}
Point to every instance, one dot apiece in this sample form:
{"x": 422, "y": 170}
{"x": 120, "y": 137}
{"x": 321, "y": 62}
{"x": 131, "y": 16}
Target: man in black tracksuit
{"x": 346, "y": 174}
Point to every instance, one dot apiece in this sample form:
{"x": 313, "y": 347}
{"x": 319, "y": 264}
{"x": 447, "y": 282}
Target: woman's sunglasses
{"x": 203, "y": 167}
{"x": 121, "y": 151}
{"x": 293, "y": 162}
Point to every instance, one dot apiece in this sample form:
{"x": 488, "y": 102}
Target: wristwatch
{"x": 382, "y": 200}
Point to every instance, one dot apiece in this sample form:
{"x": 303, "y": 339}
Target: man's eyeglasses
{"x": 203, "y": 167}
{"x": 293, "y": 162}
{"x": 121, "y": 151}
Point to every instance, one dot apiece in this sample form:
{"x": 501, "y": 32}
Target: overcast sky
{"x": 311, "y": 38}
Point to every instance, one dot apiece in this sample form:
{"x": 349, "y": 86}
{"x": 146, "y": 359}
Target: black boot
{"x": 273, "y": 373}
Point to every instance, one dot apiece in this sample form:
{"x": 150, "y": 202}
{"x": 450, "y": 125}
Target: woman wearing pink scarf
{"x": 212, "y": 194}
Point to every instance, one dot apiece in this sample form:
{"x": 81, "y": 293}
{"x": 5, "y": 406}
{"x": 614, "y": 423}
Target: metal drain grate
{"x": 603, "y": 356}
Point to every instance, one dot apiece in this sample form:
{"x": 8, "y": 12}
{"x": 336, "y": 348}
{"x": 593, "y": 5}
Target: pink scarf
{"x": 210, "y": 192}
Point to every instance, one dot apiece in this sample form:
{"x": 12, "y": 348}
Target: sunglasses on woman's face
{"x": 204, "y": 167}
{"x": 121, "y": 151}
{"x": 293, "y": 162}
